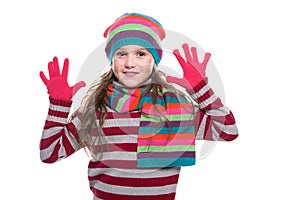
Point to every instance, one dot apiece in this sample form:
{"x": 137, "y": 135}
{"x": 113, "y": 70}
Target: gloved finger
{"x": 172, "y": 79}
{"x": 50, "y": 70}
{"x": 194, "y": 54}
{"x": 179, "y": 58}
{"x": 56, "y": 70}
{"x": 43, "y": 77}
{"x": 77, "y": 86}
{"x": 206, "y": 58}
{"x": 65, "y": 69}
{"x": 187, "y": 53}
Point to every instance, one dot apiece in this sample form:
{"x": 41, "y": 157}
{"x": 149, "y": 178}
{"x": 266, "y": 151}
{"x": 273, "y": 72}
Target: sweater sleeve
{"x": 213, "y": 121}
{"x": 59, "y": 137}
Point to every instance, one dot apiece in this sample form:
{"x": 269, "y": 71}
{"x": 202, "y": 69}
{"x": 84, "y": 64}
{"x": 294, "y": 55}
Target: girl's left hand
{"x": 193, "y": 70}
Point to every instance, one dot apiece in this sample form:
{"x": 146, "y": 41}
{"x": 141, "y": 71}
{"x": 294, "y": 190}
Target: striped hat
{"x": 135, "y": 29}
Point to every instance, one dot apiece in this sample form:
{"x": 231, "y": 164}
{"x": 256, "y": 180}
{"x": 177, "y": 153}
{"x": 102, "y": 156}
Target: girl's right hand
{"x": 57, "y": 84}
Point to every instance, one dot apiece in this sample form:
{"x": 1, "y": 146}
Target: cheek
{"x": 116, "y": 67}
{"x": 149, "y": 69}
{"x": 148, "y": 66}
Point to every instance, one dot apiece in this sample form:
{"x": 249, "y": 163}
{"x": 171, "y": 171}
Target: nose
{"x": 130, "y": 63}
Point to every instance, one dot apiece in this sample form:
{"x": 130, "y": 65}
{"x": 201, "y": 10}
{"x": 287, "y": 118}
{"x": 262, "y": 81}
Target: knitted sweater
{"x": 116, "y": 176}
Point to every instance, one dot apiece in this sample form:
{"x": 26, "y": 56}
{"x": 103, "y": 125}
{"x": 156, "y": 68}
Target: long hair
{"x": 93, "y": 110}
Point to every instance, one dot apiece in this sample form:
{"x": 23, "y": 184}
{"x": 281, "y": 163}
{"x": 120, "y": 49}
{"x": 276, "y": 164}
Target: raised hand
{"x": 193, "y": 70}
{"x": 57, "y": 84}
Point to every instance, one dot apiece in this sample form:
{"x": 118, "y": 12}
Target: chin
{"x": 130, "y": 84}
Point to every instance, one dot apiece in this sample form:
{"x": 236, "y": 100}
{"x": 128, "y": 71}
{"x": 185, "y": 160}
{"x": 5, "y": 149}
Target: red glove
{"x": 193, "y": 70}
{"x": 57, "y": 85}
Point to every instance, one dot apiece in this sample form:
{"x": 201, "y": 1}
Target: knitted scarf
{"x": 166, "y": 134}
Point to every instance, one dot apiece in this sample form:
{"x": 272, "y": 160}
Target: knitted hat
{"x": 135, "y": 29}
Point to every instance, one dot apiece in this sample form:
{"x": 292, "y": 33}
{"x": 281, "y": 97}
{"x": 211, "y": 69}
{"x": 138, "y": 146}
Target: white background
{"x": 254, "y": 45}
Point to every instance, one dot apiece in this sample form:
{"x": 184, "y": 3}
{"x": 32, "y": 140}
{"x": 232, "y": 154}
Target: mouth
{"x": 130, "y": 74}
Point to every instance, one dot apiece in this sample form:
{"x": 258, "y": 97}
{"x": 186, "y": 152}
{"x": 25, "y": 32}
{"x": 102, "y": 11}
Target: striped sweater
{"x": 116, "y": 176}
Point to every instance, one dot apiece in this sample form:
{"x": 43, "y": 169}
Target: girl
{"x": 138, "y": 129}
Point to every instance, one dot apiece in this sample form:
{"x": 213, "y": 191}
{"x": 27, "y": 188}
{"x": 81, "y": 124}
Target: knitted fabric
{"x": 166, "y": 135}
{"x": 135, "y": 29}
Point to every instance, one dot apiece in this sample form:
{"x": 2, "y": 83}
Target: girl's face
{"x": 132, "y": 65}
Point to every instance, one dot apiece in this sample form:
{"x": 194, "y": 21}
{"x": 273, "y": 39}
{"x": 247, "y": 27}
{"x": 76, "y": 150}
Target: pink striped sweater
{"x": 115, "y": 176}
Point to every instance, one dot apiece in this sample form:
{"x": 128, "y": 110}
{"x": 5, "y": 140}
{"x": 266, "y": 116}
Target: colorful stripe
{"x": 164, "y": 162}
{"x": 162, "y": 130}
{"x": 164, "y": 142}
{"x": 169, "y": 136}
{"x": 148, "y": 149}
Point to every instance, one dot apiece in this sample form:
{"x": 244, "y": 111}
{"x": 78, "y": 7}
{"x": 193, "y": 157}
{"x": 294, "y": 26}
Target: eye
{"x": 141, "y": 53}
{"x": 120, "y": 53}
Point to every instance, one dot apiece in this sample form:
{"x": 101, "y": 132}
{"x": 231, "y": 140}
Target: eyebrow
{"x": 143, "y": 48}
{"x": 123, "y": 49}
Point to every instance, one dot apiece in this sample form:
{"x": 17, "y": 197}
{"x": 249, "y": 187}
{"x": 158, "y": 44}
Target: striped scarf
{"x": 166, "y": 134}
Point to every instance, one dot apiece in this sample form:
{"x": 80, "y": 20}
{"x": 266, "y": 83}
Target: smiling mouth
{"x": 130, "y": 74}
